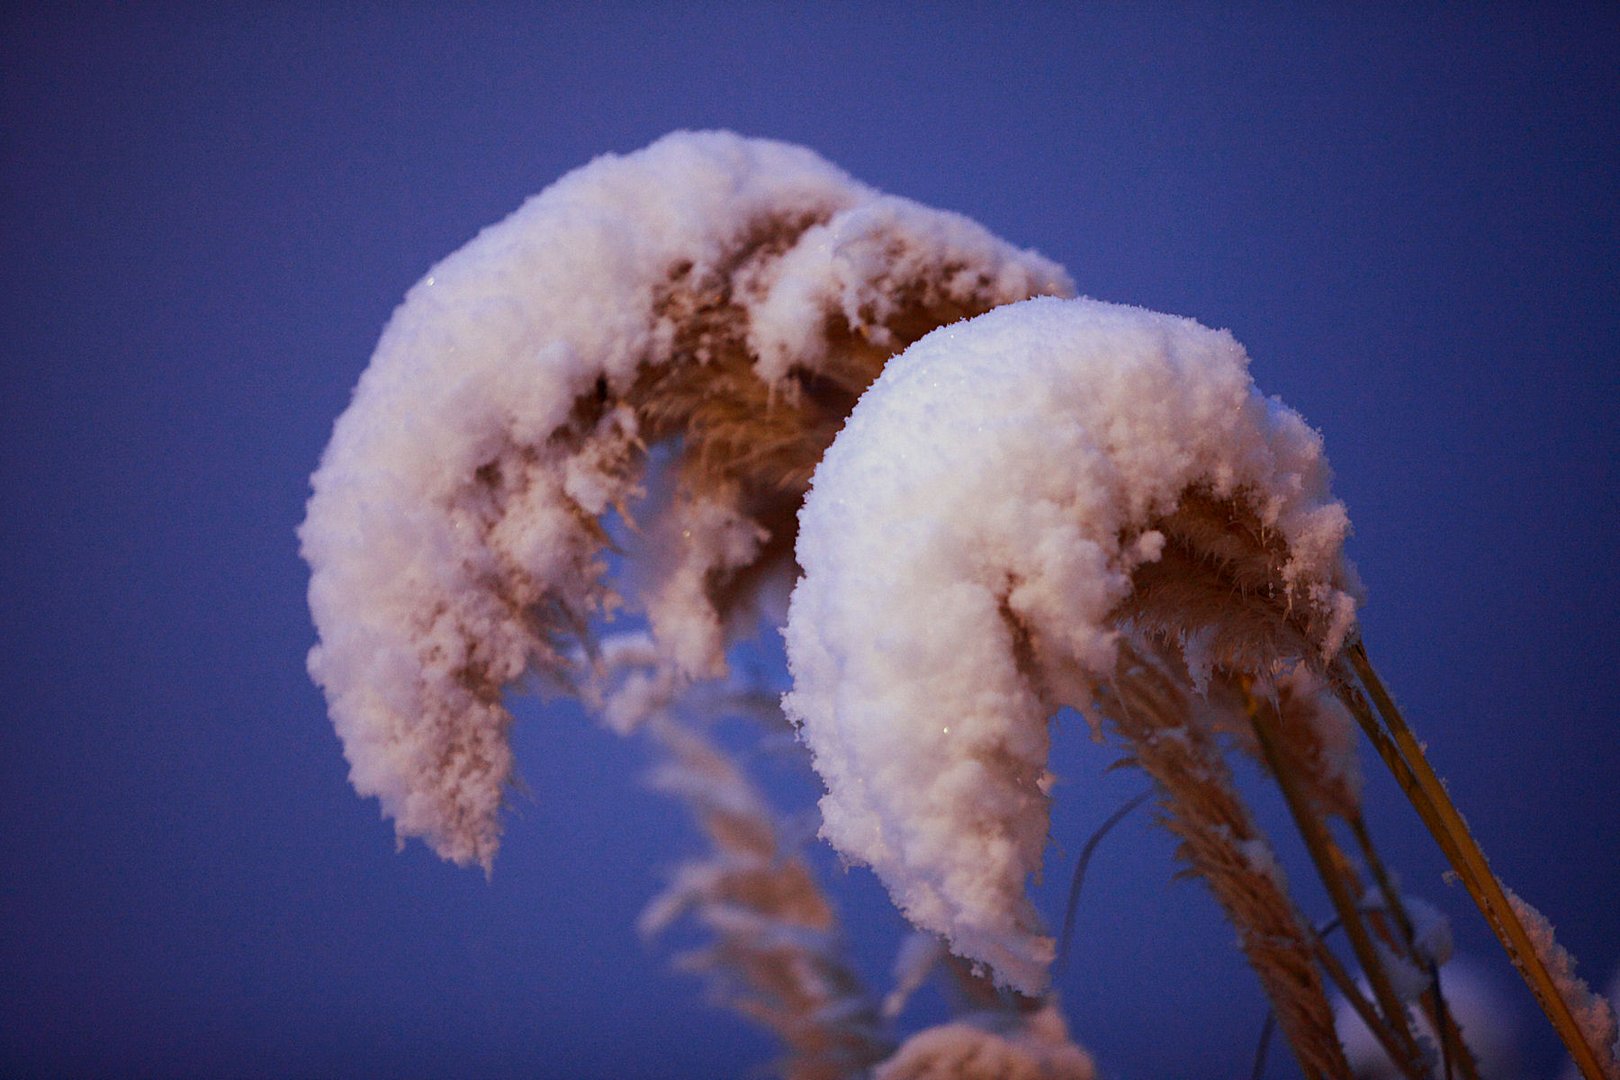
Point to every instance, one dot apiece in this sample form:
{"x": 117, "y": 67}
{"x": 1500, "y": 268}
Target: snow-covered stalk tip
{"x": 1011, "y": 497}
{"x": 1593, "y": 1014}
{"x": 728, "y": 297}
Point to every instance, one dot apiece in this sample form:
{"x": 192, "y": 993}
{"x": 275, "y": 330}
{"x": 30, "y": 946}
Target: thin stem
{"x": 1334, "y": 870}
{"x": 1381, "y": 875}
{"x": 1351, "y": 697}
{"x": 1469, "y": 861}
{"x": 1265, "y": 1044}
{"x": 1086, "y": 852}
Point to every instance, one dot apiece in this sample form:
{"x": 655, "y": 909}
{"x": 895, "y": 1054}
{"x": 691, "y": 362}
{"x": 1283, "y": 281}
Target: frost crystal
{"x": 1593, "y": 1014}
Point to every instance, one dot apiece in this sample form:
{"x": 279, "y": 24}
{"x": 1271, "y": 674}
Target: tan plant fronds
{"x": 776, "y": 956}
{"x": 1528, "y": 941}
{"x": 1219, "y": 590}
{"x": 1149, "y": 706}
{"x": 1221, "y": 587}
{"x": 1316, "y": 736}
{"x": 749, "y": 444}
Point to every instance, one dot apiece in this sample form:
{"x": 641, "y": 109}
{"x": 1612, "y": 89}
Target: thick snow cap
{"x": 967, "y": 545}
{"x": 454, "y": 533}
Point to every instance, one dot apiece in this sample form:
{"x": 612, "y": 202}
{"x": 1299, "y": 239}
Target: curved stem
{"x": 1084, "y": 861}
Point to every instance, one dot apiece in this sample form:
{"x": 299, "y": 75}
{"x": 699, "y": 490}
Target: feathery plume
{"x": 728, "y": 297}
{"x": 776, "y": 955}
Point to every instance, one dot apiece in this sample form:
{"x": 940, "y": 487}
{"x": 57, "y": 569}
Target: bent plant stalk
{"x": 1212, "y": 544}
{"x": 1181, "y": 549}
{"x": 1220, "y": 560}
{"x": 1404, "y": 756}
{"x": 1354, "y": 682}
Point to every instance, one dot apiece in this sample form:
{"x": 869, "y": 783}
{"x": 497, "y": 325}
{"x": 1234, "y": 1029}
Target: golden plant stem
{"x": 1428, "y": 795}
{"x": 1453, "y": 1049}
{"x": 1334, "y": 870}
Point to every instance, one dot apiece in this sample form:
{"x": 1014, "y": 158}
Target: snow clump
{"x": 969, "y": 545}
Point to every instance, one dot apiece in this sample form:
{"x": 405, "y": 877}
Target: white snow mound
{"x": 966, "y": 541}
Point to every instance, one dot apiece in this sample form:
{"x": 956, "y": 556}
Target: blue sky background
{"x": 1408, "y": 214}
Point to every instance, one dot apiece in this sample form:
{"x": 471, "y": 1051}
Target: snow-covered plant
{"x": 1573, "y": 1070}
{"x": 651, "y": 354}
{"x": 1055, "y": 503}
{"x": 1594, "y": 1014}
{"x": 969, "y": 541}
{"x": 1076, "y": 503}
{"x": 727, "y": 297}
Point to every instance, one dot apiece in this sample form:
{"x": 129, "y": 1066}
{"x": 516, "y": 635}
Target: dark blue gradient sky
{"x": 207, "y": 212}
